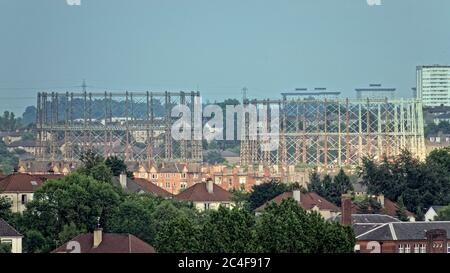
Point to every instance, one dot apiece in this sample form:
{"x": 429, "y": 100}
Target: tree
{"x": 315, "y": 184}
{"x": 117, "y": 166}
{"x": 5, "y": 208}
{"x": 100, "y": 172}
{"x": 8, "y": 161}
{"x": 214, "y": 157}
{"x": 265, "y": 192}
{"x": 8, "y": 122}
{"x": 419, "y": 184}
{"x": 440, "y": 157}
{"x": 69, "y": 232}
{"x": 75, "y": 199}
{"x": 35, "y": 242}
{"x": 240, "y": 198}
{"x": 176, "y": 231}
{"x": 443, "y": 214}
{"x": 94, "y": 166}
{"x": 134, "y": 216}
{"x": 420, "y": 216}
{"x": 287, "y": 228}
{"x": 29, "y": 116}
{"x": 342, "y": 185}
{"x": 401, "y": 211}
{"x": 228, "y": 231}
{"x": 90, "y": 159}
{"x": 5, "y": 248}
{"x": 367, "y": 205}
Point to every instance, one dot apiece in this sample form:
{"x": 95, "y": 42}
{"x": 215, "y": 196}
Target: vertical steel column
{"x": 168, "y": 136}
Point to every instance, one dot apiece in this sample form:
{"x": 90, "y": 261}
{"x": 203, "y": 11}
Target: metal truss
{"x": 335, "y": 133}
{"x": 133, "y": 126}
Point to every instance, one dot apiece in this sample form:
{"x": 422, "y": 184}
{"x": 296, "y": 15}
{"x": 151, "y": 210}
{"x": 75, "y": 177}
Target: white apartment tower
{"x": 433, "y": 85}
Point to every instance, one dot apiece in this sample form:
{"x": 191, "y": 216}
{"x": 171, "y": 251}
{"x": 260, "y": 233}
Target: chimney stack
{"x": 380, "y": 199}
{"x": 123, "y": 180}
{"x": 98, "y": 237}
{"x": 346, "y": 204}
{"x": 209, "y": 185}
{"x": 296, "y": 195}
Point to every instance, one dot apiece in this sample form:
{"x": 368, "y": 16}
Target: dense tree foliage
{"x": 5, "y": 208}
{"x": 117, "y": 166}
{"x": 8, "y": 161}
{"x": 5, "y": 248}
{"x": 75, "y": 201}
{"x": 9, "y": 122}
{"x": 287, "y": 228}
{"x": 228, "y": 231}
{"x": 330, "y": 188}
{"x": 443, "y": 214}
{"x": 265, "y": 192}
{"x": 417, "y": 183}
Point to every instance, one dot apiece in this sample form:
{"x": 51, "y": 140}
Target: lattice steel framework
{"x": 335, "y": 133}
{"x": 131, "y": 125}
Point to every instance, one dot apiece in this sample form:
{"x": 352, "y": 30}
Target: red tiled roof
{"x": 199, "y": 193}
{"x": 111, "y": 243}
{"x": 307, "y": 201}
{"x": 152, "y": 188}
{"x": 20, "y": 182}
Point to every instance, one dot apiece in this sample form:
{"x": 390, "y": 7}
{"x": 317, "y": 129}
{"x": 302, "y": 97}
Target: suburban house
{"x": 20, "y": 187}
{"x": 432, "y": 212}
{"x": 381, "y": 233}
{"x": 9, "y": 137}
{"x": 29, "y": 146}
{"x": 47, "y": 167}
{"x": 10, "y": 236}
{"x": 309, "y": 201}
{"x": 206, "y": 195}
{"x": 171, "y": 176}
{"x": 139, "y": 185}
{"x": 405, "y": 237}
{"x": 99, "y": 242}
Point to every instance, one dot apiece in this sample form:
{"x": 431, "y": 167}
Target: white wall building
{"x": 433, "y": 85}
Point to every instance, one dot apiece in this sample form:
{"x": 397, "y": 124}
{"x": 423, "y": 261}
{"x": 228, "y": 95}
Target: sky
{"x": 216, "y": 46}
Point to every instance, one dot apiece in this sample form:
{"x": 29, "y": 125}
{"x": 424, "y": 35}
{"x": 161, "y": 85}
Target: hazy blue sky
{"x": 218, "y": 46}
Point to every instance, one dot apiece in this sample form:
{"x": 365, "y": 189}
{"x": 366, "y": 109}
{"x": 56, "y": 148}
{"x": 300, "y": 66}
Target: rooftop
{"x": 307, "y": 201}
{"x": 399, "y": 231}
{"x": 8, "y": 231}
{"x": 110, "y": 243}
{"x": 199, "y": 193}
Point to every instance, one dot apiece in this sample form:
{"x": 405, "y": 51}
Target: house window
{"x": 423, "y": 248}
{"x": 154, "y": 176}
{"x": 207, "y": 206}
{"x": 416, "y": 248}
{"x": 24, "y": 199}
{"x": 167, "y": 185}
{"x": 401, "y": 249}
{"x": 227, "y": 205}
{"x": 6, "y": 242}
{"x": 167, "y": 175}
{"x": 407, "y": 248}
{"x": 183, "y": 175}
{"x": 448, "y": 247}
{"x": 195, "y": 175}
{"x": 183, "y": 185}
